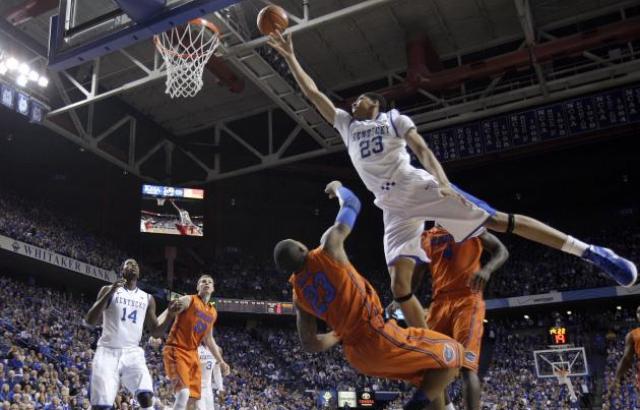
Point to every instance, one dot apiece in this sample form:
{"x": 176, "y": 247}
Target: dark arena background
{"x": 531, "y": 105}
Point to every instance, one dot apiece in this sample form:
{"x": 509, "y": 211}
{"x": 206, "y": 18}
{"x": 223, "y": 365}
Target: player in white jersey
{"x": 376, "y": 140}
{"x": 211, "y": 378}
{"x": 119, "y": 359}
{"x": 185, "y": 225}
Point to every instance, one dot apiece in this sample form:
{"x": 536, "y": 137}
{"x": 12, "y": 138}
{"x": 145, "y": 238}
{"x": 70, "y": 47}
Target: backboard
{"x": 87, "y": 29}
{"x": 571, "y": 359}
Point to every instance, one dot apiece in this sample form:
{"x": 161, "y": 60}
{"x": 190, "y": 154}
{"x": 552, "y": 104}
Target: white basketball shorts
{"x": 114, "y": 367}
{"x": 412, "y": 198}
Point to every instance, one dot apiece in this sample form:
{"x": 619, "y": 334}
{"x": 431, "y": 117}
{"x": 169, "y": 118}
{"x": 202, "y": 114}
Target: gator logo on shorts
{"x": 470, "y": 357}
{"x": 449, "y": 353}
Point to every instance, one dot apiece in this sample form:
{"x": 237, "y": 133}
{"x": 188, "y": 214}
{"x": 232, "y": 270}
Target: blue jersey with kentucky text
{"x": 123, "y": 319}
{"x": 377, "y": 147}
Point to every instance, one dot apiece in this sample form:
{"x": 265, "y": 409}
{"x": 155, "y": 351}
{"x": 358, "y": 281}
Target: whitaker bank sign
{"x": 52, "y": 258}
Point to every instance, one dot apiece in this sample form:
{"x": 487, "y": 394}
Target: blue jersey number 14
{"x": 133, "y": 315}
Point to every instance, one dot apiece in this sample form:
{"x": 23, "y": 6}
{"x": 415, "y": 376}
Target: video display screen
{"x": 170, "y": 210}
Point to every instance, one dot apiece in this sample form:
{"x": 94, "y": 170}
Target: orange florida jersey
{"x": 452, "y": 264}
{"x": 192, "y": 325}
{"x": 336, "y": 293}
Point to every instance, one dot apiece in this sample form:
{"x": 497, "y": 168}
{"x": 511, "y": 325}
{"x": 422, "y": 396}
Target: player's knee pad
{"x": 511, "y": 223}
{"x": 145, "y": 399}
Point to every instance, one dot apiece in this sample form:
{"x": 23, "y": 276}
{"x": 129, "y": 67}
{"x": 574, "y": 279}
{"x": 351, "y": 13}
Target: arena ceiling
{"x": 346, "y": 45}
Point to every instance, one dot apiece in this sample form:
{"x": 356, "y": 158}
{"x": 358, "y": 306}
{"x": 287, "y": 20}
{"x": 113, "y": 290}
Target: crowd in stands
{"x": 531, "y": 268}
{"x": 46, "y": 353}
{"x": 37, "y": 224}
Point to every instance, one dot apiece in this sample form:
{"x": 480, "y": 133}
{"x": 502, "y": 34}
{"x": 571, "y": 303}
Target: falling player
{"x": 457, "y": 308}
{"x": 193, "y": 325}
{"x": 376, "y": 140}
{"x": 186, "y": 226}
{"x": 631, "y": 351}
{"x": 119, "y": 359}
{"x": 327, "y": 286}
{"x": 211, "y": 378}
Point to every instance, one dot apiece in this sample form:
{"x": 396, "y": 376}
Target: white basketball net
{"x": 185, "y": 51}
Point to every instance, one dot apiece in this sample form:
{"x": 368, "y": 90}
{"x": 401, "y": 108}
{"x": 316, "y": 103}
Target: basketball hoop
{"x": 185, "y": 51}
{"x": 160, "y": 201}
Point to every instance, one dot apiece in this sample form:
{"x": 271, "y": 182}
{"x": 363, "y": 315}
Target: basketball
{"x": 272, "y": 18}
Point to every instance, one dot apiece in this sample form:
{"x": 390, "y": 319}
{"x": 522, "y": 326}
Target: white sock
{"x": 574, "y": 246}
{"x": 449, "y": 407}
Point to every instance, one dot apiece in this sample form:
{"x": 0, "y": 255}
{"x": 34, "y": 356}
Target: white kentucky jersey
{"x": 207, "y": 363}
{"x": 377, "y": 147}
{"x": 123, "y": 319}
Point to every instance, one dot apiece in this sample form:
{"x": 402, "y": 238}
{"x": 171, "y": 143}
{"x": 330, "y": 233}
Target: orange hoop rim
{"x": 198, "y": 22}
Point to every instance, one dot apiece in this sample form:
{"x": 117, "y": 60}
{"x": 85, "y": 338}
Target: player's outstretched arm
{"x": 211, "y": 344}
{"x": 308, "y": 332}
{"x": 104, "y": 296}
{"x": 426, "y": 157}
{"x": 498, "y": 256}
{"x": 284, "y": 46}
{"x": 174, "y": 205}
{"x": 627, "y": 359}
{"x": 158, "y": 325}
{"x": 333, "y": 239}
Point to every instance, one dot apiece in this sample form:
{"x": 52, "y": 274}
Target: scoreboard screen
{"x": 245, "y": 305}
{"x": 254, "y": 306}
{"x": 558, "y": 335}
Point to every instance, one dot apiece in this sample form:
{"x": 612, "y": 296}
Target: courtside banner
{"x": 52, "y": 258}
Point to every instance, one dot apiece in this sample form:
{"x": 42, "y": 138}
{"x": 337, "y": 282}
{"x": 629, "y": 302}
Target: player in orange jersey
{"x": 457, "y": 308}
{"x": 327, "y": 286}
{"x": 631, "y": 351}
{"x": 194, "y": 324}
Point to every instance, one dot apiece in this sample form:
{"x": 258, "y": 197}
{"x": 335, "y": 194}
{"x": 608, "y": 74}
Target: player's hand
{"x": 281, "y": 44}
{"x": 332, "y": 188}
{"x": 155, "y": 342}
{"x": 224, "y": 368}
{"x": 479, "y": 280}
{"x": 174, "y": 307}
{"x": 120, "y": 283}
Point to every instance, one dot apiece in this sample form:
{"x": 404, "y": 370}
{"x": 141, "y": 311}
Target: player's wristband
{"x": 349, "y": 207}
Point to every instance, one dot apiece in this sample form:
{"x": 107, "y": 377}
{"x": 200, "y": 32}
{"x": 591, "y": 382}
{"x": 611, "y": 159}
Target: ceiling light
{"x": 12, "y": 63}
{"x": 24, "y": 69}
{"x": 22, "y": 80}
{"x": 34, "y": 76}
{"x": 3, "y": 68}
{"x": 43, "y": 81}
{"x": 526, "y": 317}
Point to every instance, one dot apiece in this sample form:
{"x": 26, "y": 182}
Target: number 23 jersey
{"x": 123, "y": 319}
{"x": 336, "y": 293}
{"x": 377, "y": 147}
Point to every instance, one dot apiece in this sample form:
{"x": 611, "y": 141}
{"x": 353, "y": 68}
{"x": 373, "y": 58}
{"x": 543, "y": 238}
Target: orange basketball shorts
{"x": 389, "y": 351}
{"x": 463, "y": 319}
{"x": 182, "y": 367}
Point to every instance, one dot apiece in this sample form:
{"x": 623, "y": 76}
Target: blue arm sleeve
{"x": 349, "y": 207}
